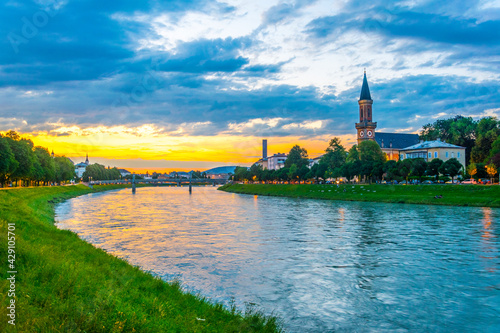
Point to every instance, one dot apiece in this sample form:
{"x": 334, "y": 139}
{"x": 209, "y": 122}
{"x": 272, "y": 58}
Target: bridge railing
{"x": 159, "y": 181}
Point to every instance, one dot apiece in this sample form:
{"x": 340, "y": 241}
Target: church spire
{"x": 366, "y": 126}
{"x": 365, "y": 91}
{"x": 87, "y": 159}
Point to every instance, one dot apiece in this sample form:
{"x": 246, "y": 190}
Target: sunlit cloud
{"x": 206, "y": 81}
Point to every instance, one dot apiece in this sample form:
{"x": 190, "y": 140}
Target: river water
{"x": 318, "y": 265}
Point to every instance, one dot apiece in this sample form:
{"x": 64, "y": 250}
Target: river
{"x": 318, "y": 265}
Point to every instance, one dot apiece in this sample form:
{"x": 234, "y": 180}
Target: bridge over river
{"x": 177, "y": 181}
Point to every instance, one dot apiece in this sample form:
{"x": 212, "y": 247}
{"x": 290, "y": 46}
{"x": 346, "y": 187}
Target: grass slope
{"x": 456, "y": 195}
{"x": 64, "y": 284}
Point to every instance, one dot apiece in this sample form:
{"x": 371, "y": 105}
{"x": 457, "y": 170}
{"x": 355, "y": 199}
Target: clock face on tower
{"x": 361, "y": 133}
{"x": 369, "y": 133}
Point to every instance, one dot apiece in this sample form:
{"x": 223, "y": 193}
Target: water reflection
{"x": 320, "y": 265}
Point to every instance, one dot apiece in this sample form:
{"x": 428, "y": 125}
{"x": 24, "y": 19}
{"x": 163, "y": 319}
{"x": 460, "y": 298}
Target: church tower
{"x": 87, "y": 159}
{"x": 365, "y": 127}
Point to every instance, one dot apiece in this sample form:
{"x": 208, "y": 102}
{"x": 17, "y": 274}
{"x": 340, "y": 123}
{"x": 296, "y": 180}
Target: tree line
{"x": 480, "y": 138}
{"x": 24, "y": 164}
{"x": 98, "y": 171}
{"x": 366, "y": 161}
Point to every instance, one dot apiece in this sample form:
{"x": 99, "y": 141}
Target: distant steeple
{"x": 87, "y": 159}
{"x": 52, "y": 153}
{"x": 365, "y": 91}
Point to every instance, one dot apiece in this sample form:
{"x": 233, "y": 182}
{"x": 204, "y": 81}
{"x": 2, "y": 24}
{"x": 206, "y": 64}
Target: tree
{"x": 487, "y": 131}
{"x": 459, "y": 130}
{"x": 302, "y": 172}
{"x": 283, "y": 174}
{"x": 297, "y": 156}
{"x": 313, "y": 172}
{"x": 404, "y": 168}
{"x": 348, "y": 171}
{"x": 13, "y": 135}
{"x": 47, "y": 165}
{"x": 353, "y": 154}
{"x": 433, "y": 167}
{"x": 240, "y": 174}
{"x": 494, "y": 155}
{"x": 257, "y": 170}
{"x": 391, "y": 169}
{"x": 370, "y": 155}
{"x": 8, "y": 161}
{"x": 65, "y": 170}
{"x": 472, "y": 169}
{"x": 378, "y": 170}
{"x": 351, "y": 169}
{"x": 451, "y": 168}
{"x": 23, "y": 155}
{"x": 370, "y": 151}
{"x": 292, "y": 172}
{"x": 321, "y": 171}
{"x": 492, "y": 170}
{"x": 418, "y": 168}
{"x": 335, "y": 155}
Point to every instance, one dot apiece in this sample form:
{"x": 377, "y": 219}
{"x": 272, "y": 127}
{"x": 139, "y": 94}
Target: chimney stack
{"x": 264, "y": 148}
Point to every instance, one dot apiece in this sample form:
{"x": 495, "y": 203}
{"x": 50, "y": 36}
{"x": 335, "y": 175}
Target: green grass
{"x": 64, "y": 284}
{"x": 455, "y": 195}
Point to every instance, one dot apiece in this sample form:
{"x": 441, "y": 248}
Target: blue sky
{"x": 243, "y": 70}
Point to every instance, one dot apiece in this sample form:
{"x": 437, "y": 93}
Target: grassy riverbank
{"x": 455, "y": 195}
{"x": 64, "y": 284}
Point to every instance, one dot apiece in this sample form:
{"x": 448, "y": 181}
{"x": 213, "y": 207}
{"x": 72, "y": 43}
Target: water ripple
{"x": 320, "y": 265}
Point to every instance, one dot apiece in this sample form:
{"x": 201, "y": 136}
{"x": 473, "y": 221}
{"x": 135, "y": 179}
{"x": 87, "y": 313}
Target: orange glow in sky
{"x": 144, "y": 148}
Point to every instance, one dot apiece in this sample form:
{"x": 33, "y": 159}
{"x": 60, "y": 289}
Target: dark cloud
{"x": 421, "y": 26}
{"x": 219, "y": 55}
{"x": 81, "y": 66}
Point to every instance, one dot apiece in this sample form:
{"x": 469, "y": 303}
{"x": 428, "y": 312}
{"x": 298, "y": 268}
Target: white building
{"x": 277, "y": 161}
{"x": 81, "y": 167}
{"x": 429, "y": 150}
{"x": 315, "y": 160}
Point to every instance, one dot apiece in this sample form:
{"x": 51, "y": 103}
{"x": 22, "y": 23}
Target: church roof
{"x": 398, "y": 140}
{"x": 365, "y": 91}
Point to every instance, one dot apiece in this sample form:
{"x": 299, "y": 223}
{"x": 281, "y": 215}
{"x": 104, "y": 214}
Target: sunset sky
{"x": 162, "y": 85}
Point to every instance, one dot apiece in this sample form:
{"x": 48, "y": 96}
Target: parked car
{"x": 456, "y": 181}
{"x": 486, "y": 182}
{"x": 469, "y": 181}
{"x": 427, "y": 182}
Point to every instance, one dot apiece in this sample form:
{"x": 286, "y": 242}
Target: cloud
{"x": 92, "y": 64}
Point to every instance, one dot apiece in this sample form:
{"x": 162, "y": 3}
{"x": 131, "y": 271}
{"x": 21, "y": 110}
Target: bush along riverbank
{"x": 453, "y": 195}
{"x": 61, "y": 283}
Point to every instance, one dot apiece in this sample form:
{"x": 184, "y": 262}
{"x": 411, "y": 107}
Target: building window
{"x": 452, "y": 154}
{"x": 458, "y": 154}
{"x": 402, "y": 157}
{"x": 446, "y": 154}
{"x": 429, "y": 155}
{"x": 406, "y": 155}
{"x": 435, "y": 154}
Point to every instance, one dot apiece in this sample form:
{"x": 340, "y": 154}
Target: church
{"x": 81, "y": 167}
{"x": 390, "y": 143}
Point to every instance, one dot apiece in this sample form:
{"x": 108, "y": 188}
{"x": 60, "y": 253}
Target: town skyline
{"x": 179, "y": 86}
